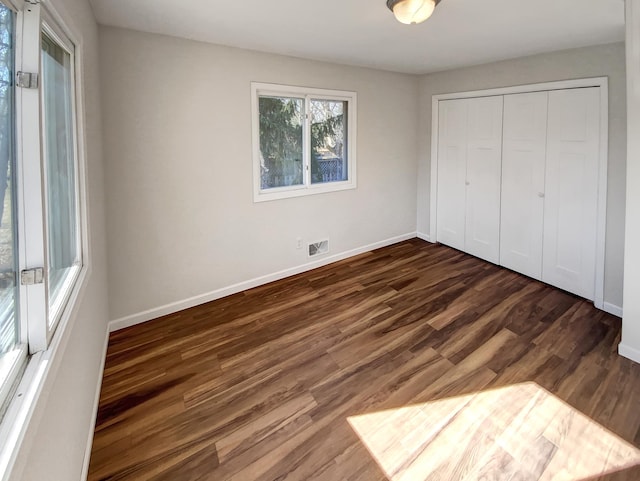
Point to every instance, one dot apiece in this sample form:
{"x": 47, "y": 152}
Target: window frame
{"x": 13, "y": 364}
{"x": 42, "y": 341}
{"x": 41, "y": 321}
{"x": 259, "y": 89}
{"x": 56, "y": 309}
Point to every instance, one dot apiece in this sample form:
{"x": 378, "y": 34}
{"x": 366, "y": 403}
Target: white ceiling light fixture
{"x": 412, "y": 11}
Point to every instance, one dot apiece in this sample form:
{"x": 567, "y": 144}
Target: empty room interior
{"x": 393, "y": 240}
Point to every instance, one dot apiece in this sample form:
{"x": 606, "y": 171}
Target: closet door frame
{"x": 603, "y": 84}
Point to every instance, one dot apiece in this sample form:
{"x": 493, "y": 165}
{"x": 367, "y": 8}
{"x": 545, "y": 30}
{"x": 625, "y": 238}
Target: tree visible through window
{"x": 281, "y": 142}
{"x": 304, "y": 140}
{"x": 328, "y": 137}
{"x": 9, "y": 327}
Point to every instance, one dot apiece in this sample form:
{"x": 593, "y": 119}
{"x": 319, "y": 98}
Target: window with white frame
{"x": 303, "y": 141}
{"x": 40, "y": 217}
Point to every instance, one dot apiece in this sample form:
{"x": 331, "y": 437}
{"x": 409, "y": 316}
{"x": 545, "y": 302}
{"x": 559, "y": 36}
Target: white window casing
{"x": 306, "y": 186}
{"x": 44, "y": 324}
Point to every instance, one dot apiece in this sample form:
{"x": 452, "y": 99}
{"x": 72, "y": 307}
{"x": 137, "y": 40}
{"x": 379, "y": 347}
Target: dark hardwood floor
{"x": 412, "y": 362}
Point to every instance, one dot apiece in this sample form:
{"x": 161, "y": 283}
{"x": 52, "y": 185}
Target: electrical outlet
{"x": 299, "y": 243}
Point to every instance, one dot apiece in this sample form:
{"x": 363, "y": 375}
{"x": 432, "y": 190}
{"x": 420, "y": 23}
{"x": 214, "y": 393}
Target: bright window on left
{"x": 41, "y": 233}
{"x": 12, "y": 350}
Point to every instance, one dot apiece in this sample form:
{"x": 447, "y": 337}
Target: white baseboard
{"x": 629, "y": 352}
{"x": 424, "y": 237}
{"x": 612, "y": 309}
{"x": 96, "y": 403}
{"x": 173, "y": 307}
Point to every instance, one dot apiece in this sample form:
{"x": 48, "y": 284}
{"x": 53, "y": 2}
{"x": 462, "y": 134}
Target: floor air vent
{"x": 318, "y": 248}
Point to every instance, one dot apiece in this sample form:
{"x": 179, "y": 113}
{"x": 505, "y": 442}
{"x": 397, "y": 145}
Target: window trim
{"x": 11, "y": 366}
{"x": 56, "y": 309}
{"x": 15, "y": 361}
{"x": 259, "y": 89}
{"x": 42, "y": 365}
{"x": 41, "y": 321}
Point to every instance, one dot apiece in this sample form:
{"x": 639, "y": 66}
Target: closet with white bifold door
{"x": 518, "y": 182}
{"x": 469, "y": 163}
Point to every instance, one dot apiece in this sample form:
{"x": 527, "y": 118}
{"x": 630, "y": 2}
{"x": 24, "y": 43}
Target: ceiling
{"x": 365, "y": 33}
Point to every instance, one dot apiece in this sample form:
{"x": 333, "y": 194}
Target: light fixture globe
{"x": 412, "y": 11}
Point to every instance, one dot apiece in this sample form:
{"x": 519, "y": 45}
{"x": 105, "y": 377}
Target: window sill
{"x": 301, "y": 191}
{"x": 11, "y": 366}
{"x": 21, "y": 409}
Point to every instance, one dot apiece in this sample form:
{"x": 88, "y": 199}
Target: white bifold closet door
{"x": 469, "y": 165}
{"x": 517, "y": 182}
{"x": 524, "y": 151}
{"x": 484, "y": 158}
{"x": 571, "y": 196}
{"x": 452, "y": 172}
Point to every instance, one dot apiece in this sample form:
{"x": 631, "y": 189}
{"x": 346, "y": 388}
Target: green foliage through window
{"x": 281, "y": 121}
{"x": 281, "y": 141}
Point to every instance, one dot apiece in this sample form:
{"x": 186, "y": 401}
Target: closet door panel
{"x": 523, "y": 169}
{"x": 452, "y": 161}
{"x": 484, "y": 153}
{"x": 572, "y": 190}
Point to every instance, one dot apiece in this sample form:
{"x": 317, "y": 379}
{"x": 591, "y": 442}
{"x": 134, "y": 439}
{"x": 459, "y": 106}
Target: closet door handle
{"x": 466, "y": 182}
{"x": 541, "y": 195}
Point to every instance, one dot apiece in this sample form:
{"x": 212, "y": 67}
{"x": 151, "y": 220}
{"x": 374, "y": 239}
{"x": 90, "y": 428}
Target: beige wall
{"x": 599, "y": 61}
{"x": 177, "y": 126}
{"x": 56, "y": 439}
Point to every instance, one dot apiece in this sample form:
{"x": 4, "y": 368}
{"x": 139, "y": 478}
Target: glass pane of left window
{"x": 9, "y": 324}
{"x": 60, "y": 170}
{"x": 281, "y": 144}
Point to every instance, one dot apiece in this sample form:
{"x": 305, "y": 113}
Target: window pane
{"x": 57, "y": 84}
{"x": 280, "y": 141}
{"x": 328, "y": 141}
{"x": 8, "y": 252}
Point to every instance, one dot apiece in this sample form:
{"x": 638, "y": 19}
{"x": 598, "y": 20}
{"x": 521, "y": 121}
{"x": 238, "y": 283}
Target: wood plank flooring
{"x": 303, "y": 379}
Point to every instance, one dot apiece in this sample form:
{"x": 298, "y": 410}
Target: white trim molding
{"x": 612, "y": 309}
{"x": 630, "y": 342}
{"x": 96, "y": 404}
{"x": 629, "y": 352}
{"x": 424, "y": 237}
{"x": 174, "y": 307}
{"x": 603, "y": 84}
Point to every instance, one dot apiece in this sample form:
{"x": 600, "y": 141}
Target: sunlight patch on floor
{"x": 520, "y": 431}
